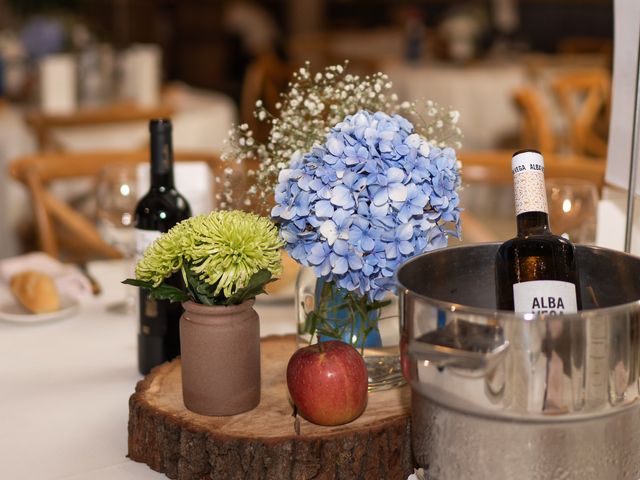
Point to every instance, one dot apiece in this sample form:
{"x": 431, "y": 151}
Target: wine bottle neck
{"x": 530, "y": 192}
{"x": 161, "y": 148}
{"x": 533, "y": 223}
{"x": 162, "y": 180}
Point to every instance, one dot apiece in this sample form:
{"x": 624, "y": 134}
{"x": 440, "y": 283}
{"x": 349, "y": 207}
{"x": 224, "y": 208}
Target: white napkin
{"x": 58, "y": 83}
{"x": 141, "y": 74}
{"x": 194, "y": 180}
{"x": 69, "y": 279}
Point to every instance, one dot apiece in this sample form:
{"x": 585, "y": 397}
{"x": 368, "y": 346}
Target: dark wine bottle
{"x": 157, "y": 211}
{"x": 536, "y": 271}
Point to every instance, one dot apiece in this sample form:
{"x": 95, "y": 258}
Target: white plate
{"x": 11, "y": 311}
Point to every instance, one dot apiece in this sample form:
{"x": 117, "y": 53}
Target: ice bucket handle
{"x": 442, "y": 356}
{"x": 461, "y": 344}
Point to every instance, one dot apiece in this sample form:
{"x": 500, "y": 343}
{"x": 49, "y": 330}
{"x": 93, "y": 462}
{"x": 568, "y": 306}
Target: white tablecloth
{"x": 65, "y": 387}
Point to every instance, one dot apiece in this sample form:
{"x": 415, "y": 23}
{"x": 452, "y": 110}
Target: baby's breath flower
{"x": 312, "y": 104}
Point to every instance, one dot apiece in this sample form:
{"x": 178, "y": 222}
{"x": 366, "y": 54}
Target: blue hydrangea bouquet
{"x": 359, "y": 182}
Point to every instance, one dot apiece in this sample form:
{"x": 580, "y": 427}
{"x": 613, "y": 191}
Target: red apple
{"x": 328, "y": 382}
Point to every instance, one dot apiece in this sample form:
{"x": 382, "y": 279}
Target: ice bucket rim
{"x": 507, "y": 315}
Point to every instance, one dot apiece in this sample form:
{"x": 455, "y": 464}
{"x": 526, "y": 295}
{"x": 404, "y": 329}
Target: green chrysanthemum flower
{"x": 223, "y": 249}
{"x": 231, "y": 246}
{"x": 162, "y": 258}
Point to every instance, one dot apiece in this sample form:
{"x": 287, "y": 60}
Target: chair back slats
{"x": 53, "y": 215}
{"x": 536, "y": 128}
{"x": 585, "y": 99}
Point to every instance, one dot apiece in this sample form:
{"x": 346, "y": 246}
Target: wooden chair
{"x": 536, "y": 131}
{"x": 585, "y": 99}
{"x": 44, "y": 124}
{"x": 587, "y": 45}
{"x": 265, "y": 79}
{"x": 61, "y": 230}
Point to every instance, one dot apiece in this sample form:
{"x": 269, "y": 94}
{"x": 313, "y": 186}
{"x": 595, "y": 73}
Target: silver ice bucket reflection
{"x": 502, "y": 396}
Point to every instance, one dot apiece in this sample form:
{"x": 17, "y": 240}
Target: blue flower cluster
{"x": 375, "y": 194}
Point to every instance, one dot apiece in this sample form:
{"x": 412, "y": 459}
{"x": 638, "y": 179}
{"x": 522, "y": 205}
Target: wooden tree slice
{"x": 263, "y": 443}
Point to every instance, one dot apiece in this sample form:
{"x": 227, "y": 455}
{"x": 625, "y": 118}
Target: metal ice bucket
{"x": 502, "y": 396}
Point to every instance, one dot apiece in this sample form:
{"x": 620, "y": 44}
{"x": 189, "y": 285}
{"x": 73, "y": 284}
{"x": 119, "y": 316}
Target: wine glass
{"x": 116, "y": 199}
{"x": 573, "y": 205}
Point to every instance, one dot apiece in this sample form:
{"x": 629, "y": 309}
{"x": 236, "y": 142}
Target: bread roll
{"x": 35, "y": 291}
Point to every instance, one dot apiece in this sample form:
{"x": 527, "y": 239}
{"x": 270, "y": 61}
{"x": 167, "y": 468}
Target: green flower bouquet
{"x": 225, "y": 258}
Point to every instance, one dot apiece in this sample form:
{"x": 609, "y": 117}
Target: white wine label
{"x": 552, "y": 297}
{"x": 144, "y": 238}
{"x": 528, "y": 182}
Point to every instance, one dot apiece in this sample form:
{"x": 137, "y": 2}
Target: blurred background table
{"x": 201, "y": 120}
{"x": 66, "y": 385}
{"x": 482, "y": 93}
{"x": 123, "y": 50}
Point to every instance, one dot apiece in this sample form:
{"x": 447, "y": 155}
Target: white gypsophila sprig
{"x": 437, "y": 124}
{"x": 311, "y": 105}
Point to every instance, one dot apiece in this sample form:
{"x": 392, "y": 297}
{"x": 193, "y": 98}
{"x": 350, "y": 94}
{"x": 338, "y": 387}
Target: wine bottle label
{"x": 528, "y": 182}
{"x": 552, "y": 297}
{"x": 144, "y": 238}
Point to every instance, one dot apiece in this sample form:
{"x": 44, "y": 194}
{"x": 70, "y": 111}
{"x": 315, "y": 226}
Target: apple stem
{"x": 320, "y": 346}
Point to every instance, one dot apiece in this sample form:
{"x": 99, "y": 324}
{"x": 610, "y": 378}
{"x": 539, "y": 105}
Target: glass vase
{"x": 325, "y": 312}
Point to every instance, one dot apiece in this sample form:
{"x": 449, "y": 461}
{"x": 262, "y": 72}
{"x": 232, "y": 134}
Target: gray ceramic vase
{"x": 220, "y": 351}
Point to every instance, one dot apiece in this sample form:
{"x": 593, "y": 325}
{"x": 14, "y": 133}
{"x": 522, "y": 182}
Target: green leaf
{"x": 138, "y": 283}
{"x": 254, "y": 287}
{"x": 201, "y": 291}
{"x": 161, "y": 292}
{"x": 377, "y": 304}
{"x": 168, "y": 292}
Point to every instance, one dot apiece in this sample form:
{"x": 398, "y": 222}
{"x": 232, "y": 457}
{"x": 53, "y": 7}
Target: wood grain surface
{"x": 263, "y": 443}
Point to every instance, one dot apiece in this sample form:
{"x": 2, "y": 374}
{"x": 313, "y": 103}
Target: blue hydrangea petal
{"x": 367, "y": 244}
{"x": 330, "y": 231}
{"x": 373, "y": 195}
{"x": 379, "y": 212}
{"x": 406, "y": 248}
{"x": 324, "y": 208}
{"x": 391, "y": 250}
{"x": 335, "y": 146}
{"x": 304, "y": 182}
{"x": 340, "y": 265}
{"x": 355, "y": 262}
{"x": 324, "y": 269}
{"x": 381, "y": 197}
{"x": 395, "y": 174}
{"x": 341, "y": 247}
{"x": 397, "y": 192}
{"x": 404, "y": 232}
{"x": 341, "y": 196}
{"x": 317, "y": 254}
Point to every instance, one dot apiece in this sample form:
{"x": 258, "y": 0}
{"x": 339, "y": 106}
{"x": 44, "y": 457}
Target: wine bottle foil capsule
{"x": 528, "y": 182}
